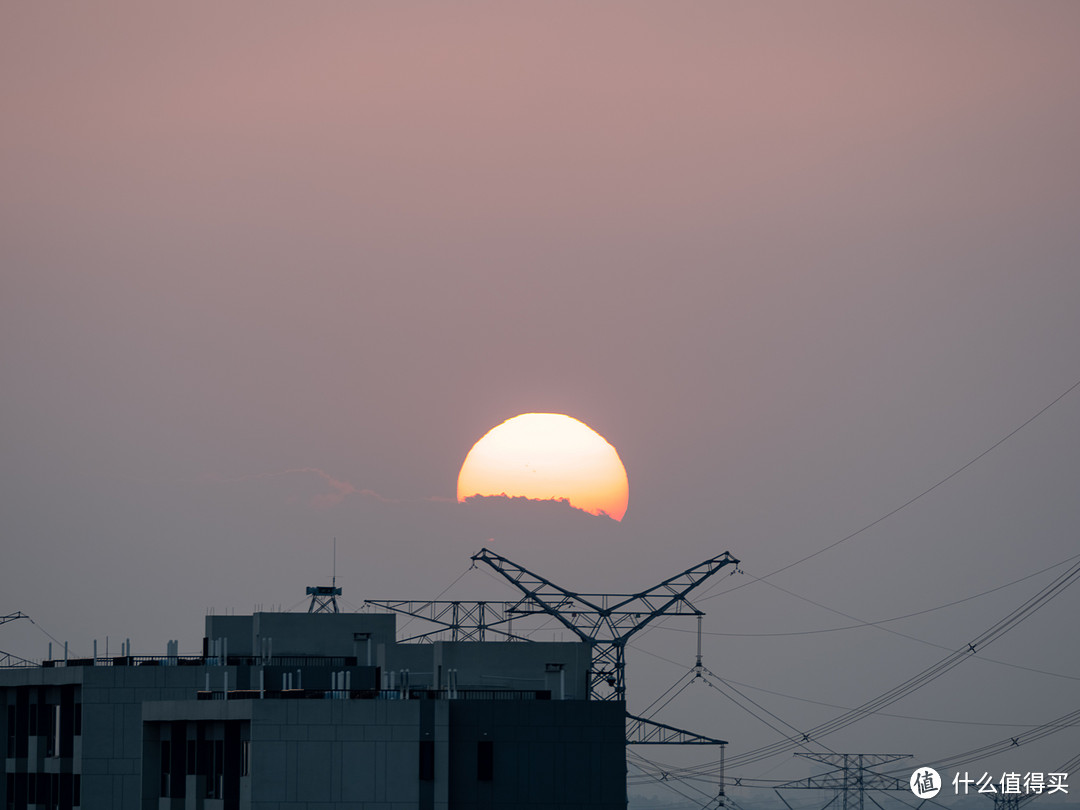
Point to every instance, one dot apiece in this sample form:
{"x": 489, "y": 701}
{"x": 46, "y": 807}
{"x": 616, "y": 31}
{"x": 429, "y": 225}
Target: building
{"x": 287, "y": 711}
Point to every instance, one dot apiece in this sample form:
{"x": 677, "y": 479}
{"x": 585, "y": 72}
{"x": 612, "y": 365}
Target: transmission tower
{"x": 606, "y": 620}
{"x": 852, "y": 778}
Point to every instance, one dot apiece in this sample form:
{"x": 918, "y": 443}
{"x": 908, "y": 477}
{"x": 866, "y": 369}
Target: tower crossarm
{"x": 607, "y": 621}
{"x": 463, "y": 621}
{"x": 10, "y": 660}
{"x": 18, "y": 614}
{"x": 604, "y": 617}
{"x": 853, "y": 774}
{"x": 541, "y": 595}
{"x": 6, "y": 658}
{"x": 640, "y": 731}
{"x": 860, "y": 761}
{"x": 669, "y": 597}
{"x": 838, "y": 779}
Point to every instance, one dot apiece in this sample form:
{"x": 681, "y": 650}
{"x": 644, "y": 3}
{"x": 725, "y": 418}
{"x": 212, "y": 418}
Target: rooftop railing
{"x": 376, "y": 694}
{"x": 208, "y": 660}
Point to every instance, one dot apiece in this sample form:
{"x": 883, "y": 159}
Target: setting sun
{"x": 547, "y": 456}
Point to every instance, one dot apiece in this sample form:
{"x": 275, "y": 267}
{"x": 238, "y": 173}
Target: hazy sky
{"x": 268, "y": 271}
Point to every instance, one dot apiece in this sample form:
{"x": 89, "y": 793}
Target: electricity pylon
{"x": 853, "y": 776}
{"x": 606, "y": 620}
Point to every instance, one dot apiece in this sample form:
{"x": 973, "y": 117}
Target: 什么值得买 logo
{"x": 925, "y": 783}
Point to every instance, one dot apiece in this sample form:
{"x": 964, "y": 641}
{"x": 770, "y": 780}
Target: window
{"x": 166, "y": 763}
{"x": 427, "y": 760}
{"x": 64, "y": 791}
{"x": 245, "y": 757}
{"x": 485, "y": 760}
{"x": 21, "y": 728}
{"x": 215, "y": 778}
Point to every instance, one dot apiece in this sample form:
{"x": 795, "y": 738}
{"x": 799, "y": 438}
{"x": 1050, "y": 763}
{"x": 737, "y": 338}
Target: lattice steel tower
{"x": 853, "y": 776}
{"x": 606, "y": 620}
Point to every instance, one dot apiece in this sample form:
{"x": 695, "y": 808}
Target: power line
{"x": 910, "y": 501}
{"x": 664, "y": 780}
{"x": 881, "y": 714}
{"x": 646, "y": 713}
{"x": 869, "y": 623}
{"x": 1069, "y": 720}
{"x": 928, "y": 675}
{"x": 836, "y": 705}
{"x": 920, "y": 640}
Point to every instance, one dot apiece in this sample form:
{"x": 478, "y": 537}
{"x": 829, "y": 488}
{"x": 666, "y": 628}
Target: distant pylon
{"x": 852, "y": 777}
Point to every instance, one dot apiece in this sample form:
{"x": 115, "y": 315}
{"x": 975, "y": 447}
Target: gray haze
{"x": 269, "y": 270}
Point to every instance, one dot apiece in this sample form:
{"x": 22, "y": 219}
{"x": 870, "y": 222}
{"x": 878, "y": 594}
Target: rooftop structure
{"x": 298, "y": 711}
{"x": 302, "y": 710}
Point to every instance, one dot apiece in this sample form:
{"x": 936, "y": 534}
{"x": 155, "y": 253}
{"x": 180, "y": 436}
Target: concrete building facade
{"x": 314, "y": 711}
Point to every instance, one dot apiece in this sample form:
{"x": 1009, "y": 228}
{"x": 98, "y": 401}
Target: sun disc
{"x": 547, "y": 456}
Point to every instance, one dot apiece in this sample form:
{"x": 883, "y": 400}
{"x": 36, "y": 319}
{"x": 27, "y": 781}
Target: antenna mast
{"x": 323, "y": 598}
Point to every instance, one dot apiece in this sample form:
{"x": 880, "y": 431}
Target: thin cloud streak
{"x": 338, "y": 492}
{"x": 339, "y": 488}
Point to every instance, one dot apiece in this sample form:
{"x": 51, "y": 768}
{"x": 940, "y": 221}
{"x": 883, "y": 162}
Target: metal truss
{"x": 323, "y": 599}
{"x": 606, "y": 620}
{"x": 852, "y": 777}
{"x": 640, "y": 731}
{"x": 8, "y": 661}
{"x": 18, "y": 614}
{"x": 456, "y": 620}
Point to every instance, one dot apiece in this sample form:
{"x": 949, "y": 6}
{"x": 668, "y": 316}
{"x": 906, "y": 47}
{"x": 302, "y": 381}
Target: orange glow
{"x": 547, "y": 456}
